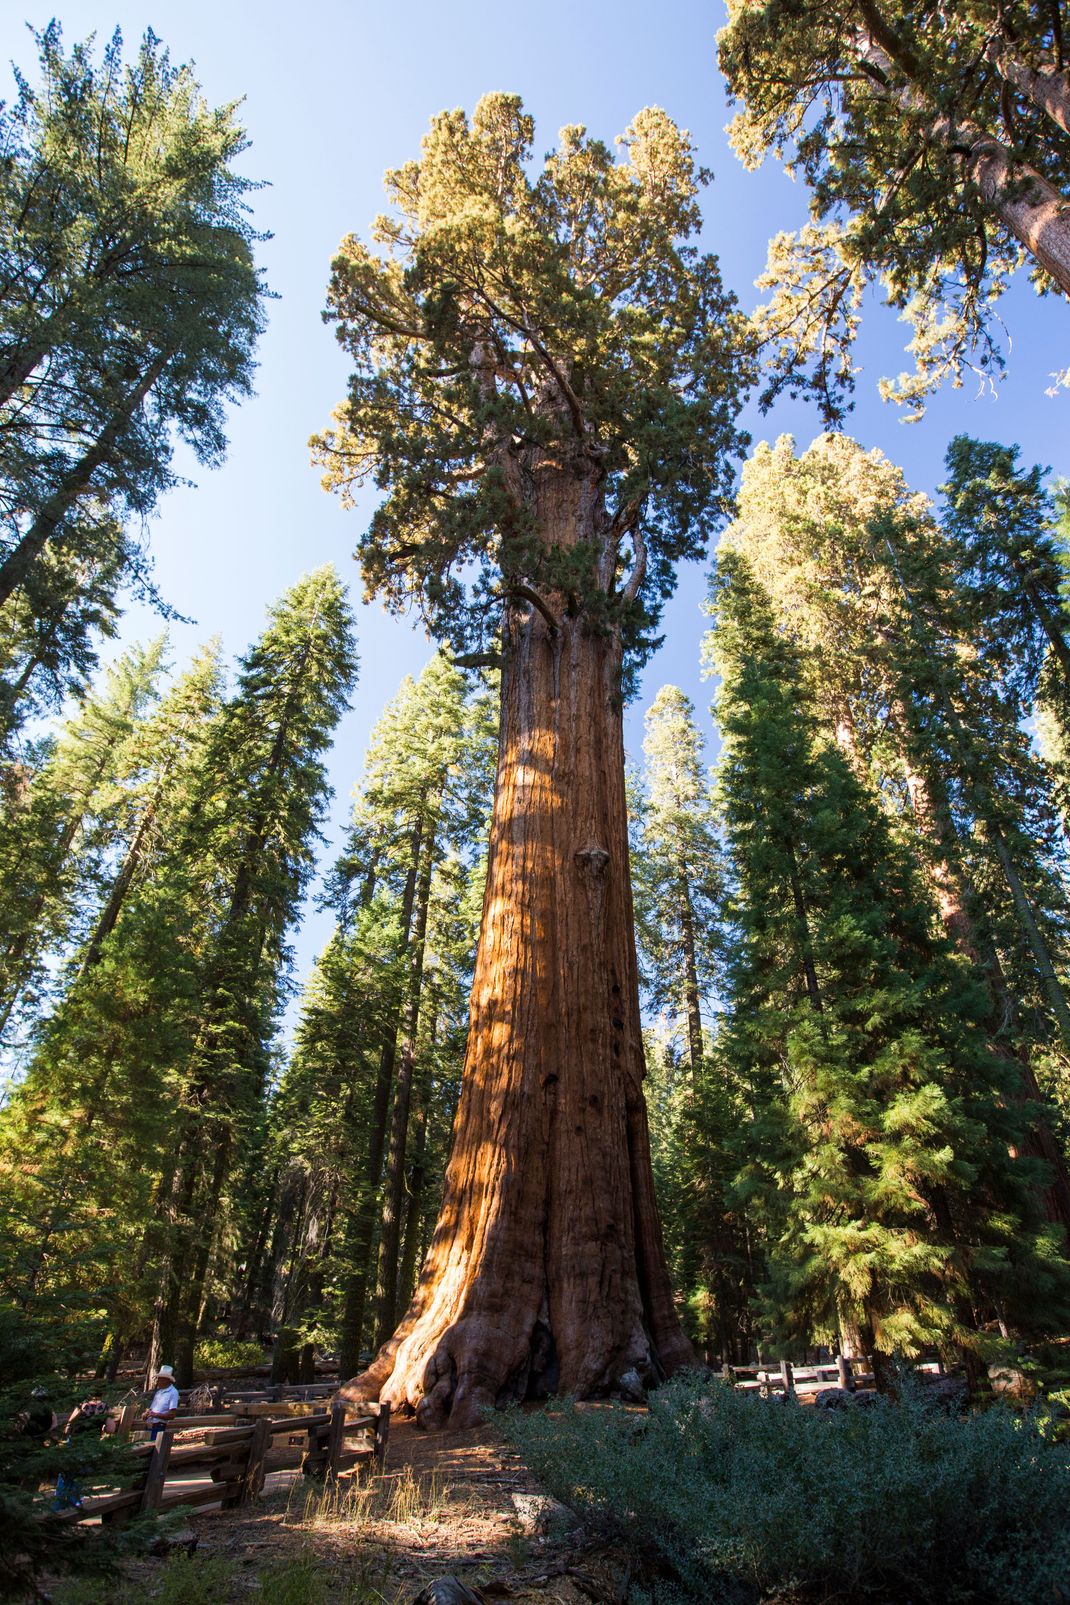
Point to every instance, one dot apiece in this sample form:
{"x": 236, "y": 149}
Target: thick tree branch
{"x": 524, "y": 593}
{"x": 638, "y": 574}
{"x": 887, "y": 39}
{"x": 1046, "y": 87}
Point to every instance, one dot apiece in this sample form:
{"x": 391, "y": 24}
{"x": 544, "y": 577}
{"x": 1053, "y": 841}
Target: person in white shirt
{"x": 164, "y": 1401}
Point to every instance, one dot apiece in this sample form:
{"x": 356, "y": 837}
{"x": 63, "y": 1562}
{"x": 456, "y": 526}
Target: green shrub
{"x": 226, "y": 1354}
{"x": 732, "y": 1497}
{"x": 197, "y": 1579}
{"x": 31, "y": 1463}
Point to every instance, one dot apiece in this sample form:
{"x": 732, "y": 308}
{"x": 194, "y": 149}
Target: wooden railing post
{"x": 844, "y": 1373}
{"x": 156, "y": 1471}
{"x": 125, "y": 1424}
{"x": 382, "y": 1434}
{"x": 259, "y": 1444}
{"x": 336, "y": 1438}
{"x": 787, "y": 1376}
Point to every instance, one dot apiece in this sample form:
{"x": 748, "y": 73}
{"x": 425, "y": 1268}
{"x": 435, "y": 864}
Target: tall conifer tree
{"x": 885, "y": 1125}
{"x": 546, "y": 379}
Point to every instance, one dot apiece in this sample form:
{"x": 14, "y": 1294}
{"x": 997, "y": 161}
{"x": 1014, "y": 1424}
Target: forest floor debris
{"x": 451, "y": 1504}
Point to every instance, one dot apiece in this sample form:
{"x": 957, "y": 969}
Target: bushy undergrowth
{"x": 732, "y": 1497}
{"x": 226, "y": 1354}
{"x": 31, "y": 1461}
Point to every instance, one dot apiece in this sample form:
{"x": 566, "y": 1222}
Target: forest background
{"x": 335, "y": 94}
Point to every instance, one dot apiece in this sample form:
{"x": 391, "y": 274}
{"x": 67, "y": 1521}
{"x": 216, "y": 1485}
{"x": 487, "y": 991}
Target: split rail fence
{"x": 233, "y": 1454}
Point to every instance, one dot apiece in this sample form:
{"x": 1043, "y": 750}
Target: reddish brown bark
{"x": 546, "y": 1269}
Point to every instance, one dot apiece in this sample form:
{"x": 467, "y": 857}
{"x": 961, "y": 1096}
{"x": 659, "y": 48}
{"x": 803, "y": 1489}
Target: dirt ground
{"x": 457, "y": 1504}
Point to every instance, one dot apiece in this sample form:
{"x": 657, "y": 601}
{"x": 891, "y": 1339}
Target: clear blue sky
{"x": 334, "y": 94}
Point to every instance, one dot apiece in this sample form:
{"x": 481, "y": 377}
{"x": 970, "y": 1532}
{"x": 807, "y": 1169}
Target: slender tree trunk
{"x": 109, "y": 914}
{"x": 18, "y": 368}
{"x": 285, "y": 1291}
{"x": 546, "y": 1270}
{"x": 417, "y": 1180}
{"x": 692, "y": 996}
{"x": 1045, "y": 86}
{"x": 1049, "y": 623}
{"x": 256, "y": 1258}
{"x": 361, "y": 1225}
{"x": 802, "y": 921}
{"x": 394, "y": 1179}
{"x": 17, "y": 565}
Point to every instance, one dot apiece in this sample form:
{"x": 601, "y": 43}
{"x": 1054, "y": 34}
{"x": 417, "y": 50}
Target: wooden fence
{"x": 234, "y": 1457}
{"x": 784, "y": 1377}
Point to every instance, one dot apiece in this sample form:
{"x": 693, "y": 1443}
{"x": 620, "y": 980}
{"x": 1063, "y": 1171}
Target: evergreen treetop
{"x": 511, "y": 326}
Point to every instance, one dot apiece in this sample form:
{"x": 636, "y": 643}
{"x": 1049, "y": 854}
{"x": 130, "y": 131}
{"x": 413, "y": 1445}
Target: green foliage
{"x": 223, "y": 1354}
{"x": 391, "y": 984}
{"x": 878, "y": 1147}
{"x": 35, "y": 1450}
{"x": 513, "y": 320}
{"x": 153, "y": 1068}
{"x": 735, "y": 1498}
{"x": 131, "y": 302}
{"x": 889, "y": 112}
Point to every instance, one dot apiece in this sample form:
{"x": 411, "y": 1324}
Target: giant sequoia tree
{"x": 935, "y": 138}
{"x": 546, "y": 378}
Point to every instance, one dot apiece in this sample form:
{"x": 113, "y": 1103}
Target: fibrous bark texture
{"x": 546, "y": 1270}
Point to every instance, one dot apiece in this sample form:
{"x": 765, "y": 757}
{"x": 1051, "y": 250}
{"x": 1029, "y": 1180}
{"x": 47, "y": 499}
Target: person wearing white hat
{"x": 164, "y": 1401}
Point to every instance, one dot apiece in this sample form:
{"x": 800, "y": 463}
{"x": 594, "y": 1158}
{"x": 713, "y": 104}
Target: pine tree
{"x": 425, "y": 790}
{"x": 546, "y": 378}
{"x": 129, "y": 301}
{"x": 883, "y": 1129}
{"x": 883, "y": 603}
{"x": 401, "y": 958}
{"x": 88, "y": 1130}
{"x": 258, "y": 814}
{"x": 59, "y": 823}
{"x": 676, "y": 868}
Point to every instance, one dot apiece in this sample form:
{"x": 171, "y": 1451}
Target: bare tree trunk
{"x": 692, "y": 996}
{"x": 18, "y": 368}
{"x": 546, "y": 1269}
{"x": 109, "y": 914}
{"x": 417, "y": 1180}
{"x": 1023, "y": 200}
{"x": 1026, "y": 204}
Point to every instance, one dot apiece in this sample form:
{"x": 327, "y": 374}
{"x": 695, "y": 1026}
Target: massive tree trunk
{"x": 546, "y": 1270}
